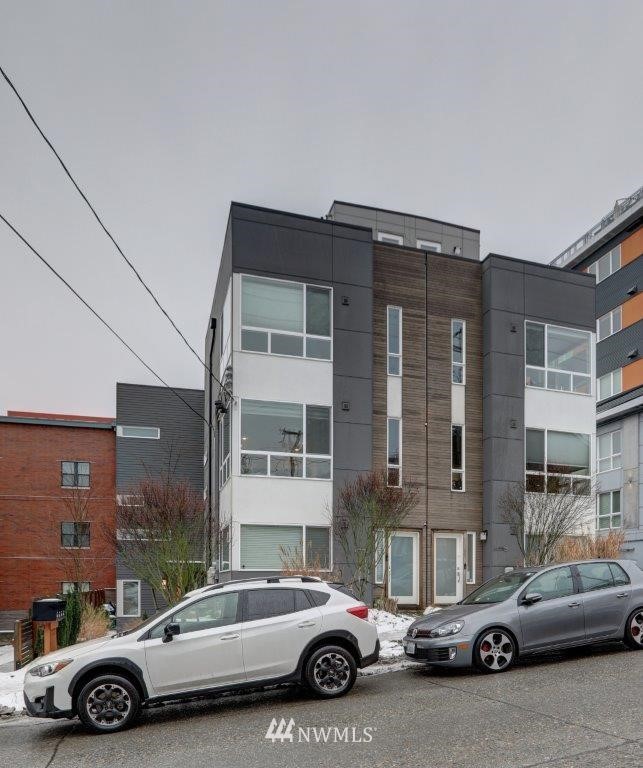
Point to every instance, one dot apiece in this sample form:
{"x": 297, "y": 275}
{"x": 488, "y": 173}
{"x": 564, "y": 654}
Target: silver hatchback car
{"x": 531, "y": 610}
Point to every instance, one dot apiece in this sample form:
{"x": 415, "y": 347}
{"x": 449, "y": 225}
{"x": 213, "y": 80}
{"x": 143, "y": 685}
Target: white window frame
{"x": 463, "y": 364}
{"x": 224, "y": 565}
{"x": 303, "y": 544}
{"x": 459, "y": 470}
{"x": 612, "y": 376}
{"x": 225, "y": 462}
{"x": 397, "y": 466}
{"x": 615, "y": 318}
{"x": 389, "y": 355}
{"x": 429, "y": 245}
{"x": 612, "y": 454}
{"x": 546, "y": 369}
{"x": 612, "y": 259}
{"x": 304, "y": 455}
{"x": 119, "y": 599}
{"x": 545, "y": 474}
{"x": 389, "y": 238}
{"x": 120, "y": 432}
{"x": 612, "y": 514}
{"x": 470, "y": 567}
{"x": 303, "y": 335}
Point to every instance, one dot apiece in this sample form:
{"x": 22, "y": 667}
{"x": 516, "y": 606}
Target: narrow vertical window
{"x": 379, "y": 557}
{"x": 394, "y": 451}
{"x": 470, "y": 565}
{"x": 457, "y": 457}
{"x": 394, "y": 340}
{"x": 458, "y": 351}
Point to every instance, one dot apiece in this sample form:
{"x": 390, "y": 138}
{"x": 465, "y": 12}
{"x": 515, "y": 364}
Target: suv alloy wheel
{"x": 108, "y": 703}
{"x": 330, "y": 671}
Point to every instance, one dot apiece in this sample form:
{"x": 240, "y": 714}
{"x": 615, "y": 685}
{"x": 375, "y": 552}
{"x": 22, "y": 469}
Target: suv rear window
{"x": 318, "y": 598}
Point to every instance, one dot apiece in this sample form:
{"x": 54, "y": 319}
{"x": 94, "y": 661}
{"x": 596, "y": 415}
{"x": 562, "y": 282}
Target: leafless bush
{"x": 94, "y": 622}
{"x": 589, "y": 547}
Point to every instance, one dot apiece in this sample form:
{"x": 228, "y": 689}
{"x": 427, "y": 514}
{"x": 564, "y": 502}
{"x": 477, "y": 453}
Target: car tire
{"x": 330, "y": 671}
{"x": 108, "y": 703}
{"x": 634, "y": 630}
{"x": 494, "y": 651}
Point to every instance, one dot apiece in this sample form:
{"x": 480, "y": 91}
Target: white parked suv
{"x": 225, "y": 637}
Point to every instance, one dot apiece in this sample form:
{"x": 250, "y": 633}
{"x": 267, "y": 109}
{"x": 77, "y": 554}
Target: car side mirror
{"x": 532, "y": 597}
{"x": 170, "y": 630}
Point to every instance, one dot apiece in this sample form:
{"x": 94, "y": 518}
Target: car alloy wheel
{"x": 108, "y": 704}
{"x": 634, "y": 630}
{"x": 496, "y": 651}
{"x": 332, "y": 672}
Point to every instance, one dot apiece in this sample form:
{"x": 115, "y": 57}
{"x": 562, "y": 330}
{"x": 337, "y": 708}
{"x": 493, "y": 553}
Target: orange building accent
{"x": 633, "y": 375}
{"x": 632, "y": 310}
{"x": 632, "y": 247}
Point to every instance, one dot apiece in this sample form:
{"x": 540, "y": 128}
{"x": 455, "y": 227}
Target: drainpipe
{"x": 208, "y": 549}
{"x": 426, "y": 427}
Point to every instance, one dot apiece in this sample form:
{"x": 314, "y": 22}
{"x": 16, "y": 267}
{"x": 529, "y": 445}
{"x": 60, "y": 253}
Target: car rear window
{"x": 620, "y": 577}
{"x": 318, "y": 598}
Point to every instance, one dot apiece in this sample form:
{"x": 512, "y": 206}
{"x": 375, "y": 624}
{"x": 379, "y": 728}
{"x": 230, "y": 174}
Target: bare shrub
{"x": 94, "y": 622}
{"x": 589, "y": 547}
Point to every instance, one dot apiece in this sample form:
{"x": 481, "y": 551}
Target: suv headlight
{"x": 44, "y": 670}
{"x": 452, "y": 628}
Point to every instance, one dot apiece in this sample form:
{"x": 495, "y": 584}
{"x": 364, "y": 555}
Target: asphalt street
{"x": 578, "y": 708}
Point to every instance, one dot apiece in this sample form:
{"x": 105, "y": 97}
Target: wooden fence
{"x": 23, "y": 642}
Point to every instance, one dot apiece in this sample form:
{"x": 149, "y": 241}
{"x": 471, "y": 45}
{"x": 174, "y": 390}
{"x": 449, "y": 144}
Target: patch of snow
{"x": 387, "y": 623}
{"x": 431, "y": 609}
{"x": 11, "y": 692}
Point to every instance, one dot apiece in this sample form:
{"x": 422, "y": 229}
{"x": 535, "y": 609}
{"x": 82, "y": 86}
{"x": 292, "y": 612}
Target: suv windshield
{"x": 498, "y": 589}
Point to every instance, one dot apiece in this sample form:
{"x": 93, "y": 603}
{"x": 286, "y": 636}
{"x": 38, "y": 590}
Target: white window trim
{"x": 397, "y": 466}
{"x": 384, "y": 237}
{"x": 119, "y": 599}
{"x": 303, "y": 455}
{"x": 429, "y": 245}
{"x": 459, "y": 470}
{"x": 470, "y": 566}
{"x": 121, "y": 427}
{"x": 545, "y": 474}
{"x": 463, "y": 364}
{"x": 303, "y": 544}
{"x": 612, "y": 455}
{"x": 392, "y": 354}
{"x": 593, "y": 268}
{"x": 546, "y": 369}
{"x": 303, "y": 335}
{"x": 611, "y": 513}
{"x": 616, "y": 312}
{"x": 613, "y": 391}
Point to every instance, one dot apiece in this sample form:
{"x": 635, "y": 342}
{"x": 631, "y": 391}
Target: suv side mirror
{"x": 170, "y": 630}
{"x": 532, "y": 597}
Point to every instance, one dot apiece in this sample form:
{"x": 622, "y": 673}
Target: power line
{"x": 107, "y": 232}
{"x": 101, "y": 319}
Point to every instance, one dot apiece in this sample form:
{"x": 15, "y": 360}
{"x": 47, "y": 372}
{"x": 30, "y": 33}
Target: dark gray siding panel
{"x": 611, "y": 353}
{"x": 181, "y": 440}
{"x": 614, "y": 290}
{"x": 560, "y": 301}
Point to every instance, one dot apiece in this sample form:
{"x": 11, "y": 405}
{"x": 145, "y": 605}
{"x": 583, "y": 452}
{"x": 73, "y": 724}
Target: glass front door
{"x": 403, "y": 567}
{"x": 449, "y": 568}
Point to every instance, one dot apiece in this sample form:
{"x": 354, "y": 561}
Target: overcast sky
{"x": 522, "y": 119}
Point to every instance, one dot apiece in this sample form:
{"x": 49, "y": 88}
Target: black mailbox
{"x": 48, "y": 609}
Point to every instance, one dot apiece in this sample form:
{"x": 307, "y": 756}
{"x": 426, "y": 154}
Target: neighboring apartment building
{"x": 612, "y": 251}
{"x": 156, "y": 434}
{"x": 370, "y": 339}
{"x": 57, "y": 507}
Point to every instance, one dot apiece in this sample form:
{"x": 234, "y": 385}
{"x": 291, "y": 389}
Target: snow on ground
{"x": 391, "y": 628}
{"x": 11, "y": 691}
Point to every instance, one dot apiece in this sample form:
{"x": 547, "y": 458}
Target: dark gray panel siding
{"x": 613, "y": 291}
{"x": 612, "y": 353}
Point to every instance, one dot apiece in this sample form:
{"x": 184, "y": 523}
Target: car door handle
{"x": 573, "y": 605}
{"x": 229, "y": 637}
{"x": 303, "y": 624}
{"x": 622, "y": 594}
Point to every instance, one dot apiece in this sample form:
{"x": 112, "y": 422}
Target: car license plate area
{"x": 409, "y": 648}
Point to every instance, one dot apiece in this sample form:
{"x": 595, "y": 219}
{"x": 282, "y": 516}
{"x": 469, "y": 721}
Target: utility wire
{"x": 107, "y": 232}
{"x": 101, "y": 319}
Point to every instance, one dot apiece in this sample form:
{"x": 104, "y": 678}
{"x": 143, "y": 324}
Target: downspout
{"x": 208, "y": 551}
{"x": 426, "y": 427}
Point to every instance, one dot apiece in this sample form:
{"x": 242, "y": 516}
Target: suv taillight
{"x": 361, "y": 611}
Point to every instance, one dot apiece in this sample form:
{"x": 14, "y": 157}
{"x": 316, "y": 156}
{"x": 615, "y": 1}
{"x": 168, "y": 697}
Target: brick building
{"x": 57, "y": 499}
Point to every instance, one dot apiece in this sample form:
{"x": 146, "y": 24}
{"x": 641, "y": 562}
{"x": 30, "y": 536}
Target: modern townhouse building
{"x": 370, "y": 339}
{"x": 612, "y": 251}
{"x": 156, "y": 434}
{"x": 57, "y": 507}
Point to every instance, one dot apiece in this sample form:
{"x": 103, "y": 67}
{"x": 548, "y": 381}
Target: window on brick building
{"x": 74, "y": 535}
{"x": 74, "y": 474}
{"x": 74, "y": 586}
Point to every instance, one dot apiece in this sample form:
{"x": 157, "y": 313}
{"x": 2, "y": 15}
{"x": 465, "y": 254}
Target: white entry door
{"x": 448, "y": 571}
{"x": 404, "y": 559}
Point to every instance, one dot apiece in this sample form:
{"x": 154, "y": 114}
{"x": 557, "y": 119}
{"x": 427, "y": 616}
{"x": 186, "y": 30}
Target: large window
{"x": 606, "y": 265}
{"x": 394, "y": 451}
{"x": 610, "y": 384}
{"x": 284, "y": 318}
{"x": 557, "y": 358}
{"x": 74, "y": 474}
{"x": 609, "y": 324}
{"x": 224, "y": 448}
{"x": 74, "y": 535}
{"x": 268, "y": 547}
{"x": 609, "y": 510}
{"x": 74, "y": 586}
{"x": 557, "y": 461}
{"x": 458, "y": 351}
{"x": 285, "y": 439}
{"x": 609, "y": 451}
{"x": 457, "y": 457}
{"x": 128, "y": 598}
{"x": 394, "y": 340}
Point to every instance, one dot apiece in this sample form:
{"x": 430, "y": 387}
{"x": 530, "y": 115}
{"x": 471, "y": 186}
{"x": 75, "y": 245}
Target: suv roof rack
{"x": 267, "y": 579}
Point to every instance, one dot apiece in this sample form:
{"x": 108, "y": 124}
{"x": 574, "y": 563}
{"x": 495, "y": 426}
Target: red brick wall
{"x": 32, "y": 507}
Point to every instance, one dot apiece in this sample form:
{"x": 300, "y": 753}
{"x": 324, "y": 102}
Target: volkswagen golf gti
{"x": 226, "y": 637}
{"x": 531, "y": 610}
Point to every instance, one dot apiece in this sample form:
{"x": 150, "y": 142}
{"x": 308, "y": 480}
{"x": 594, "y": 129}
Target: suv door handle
{"x": 573, "y": 605}
{"x": 229, "y": 637}
{"x": 303, "y": 624}
{"x": 622, "y": 594}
